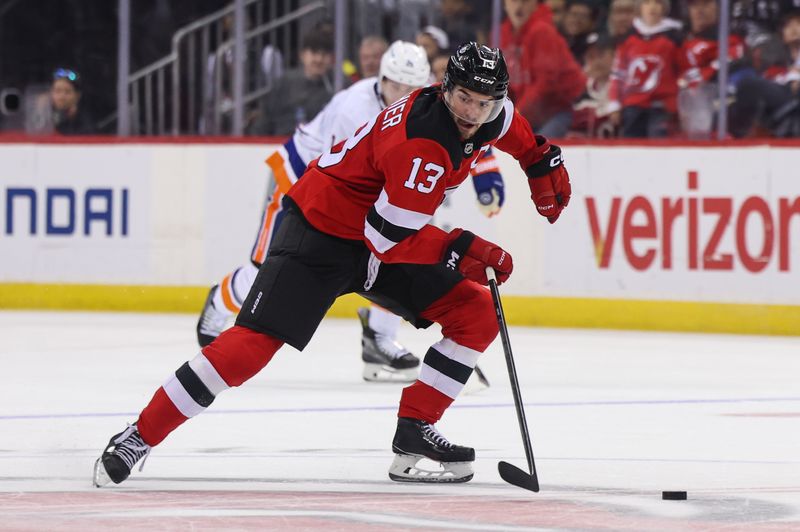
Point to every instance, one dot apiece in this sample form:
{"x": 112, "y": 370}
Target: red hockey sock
{"x": 159, "y": 418}
{"x": 420, "y": 401}
{"x": 234, "y": 357}
{"x": 466, "y": 315}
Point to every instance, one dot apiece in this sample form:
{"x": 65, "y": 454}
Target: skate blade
{"x": 383, "y": 373}
{"x": 100, "y": 478}
{"x": 404, "y": 469}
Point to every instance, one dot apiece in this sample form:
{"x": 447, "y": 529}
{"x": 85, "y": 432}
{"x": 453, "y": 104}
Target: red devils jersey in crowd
{"x": 699, "y": 57}
{"x": 788, "y": 72}
{"x": 382, "y": 185}
{"x": 645, "y": 70}
{"x": 591, "y": 114}
{"x": 544, "y": 78}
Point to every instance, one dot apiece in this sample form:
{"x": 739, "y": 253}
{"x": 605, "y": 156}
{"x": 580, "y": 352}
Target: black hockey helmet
{"x": 478, "y": 68}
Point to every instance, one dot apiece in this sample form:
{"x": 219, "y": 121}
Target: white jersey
{"x": 345, "y": 113}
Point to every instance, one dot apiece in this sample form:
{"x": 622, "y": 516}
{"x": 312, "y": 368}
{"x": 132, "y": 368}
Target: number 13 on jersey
{"x": 428, "y": 180}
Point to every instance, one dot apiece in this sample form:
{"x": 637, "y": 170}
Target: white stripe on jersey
{"x": 181, "y": 398}
{"x": 208, "y": 374}
{"x": 508, "y": 107}
{"x": 378, "y": 241}
{"x": 398, "y": 215}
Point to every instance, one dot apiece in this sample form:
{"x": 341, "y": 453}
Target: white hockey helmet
{"x": 405, "y": 63}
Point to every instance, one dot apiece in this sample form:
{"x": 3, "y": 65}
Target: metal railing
{"x": 253, "y": 40}
{"x": 168, "y": 96}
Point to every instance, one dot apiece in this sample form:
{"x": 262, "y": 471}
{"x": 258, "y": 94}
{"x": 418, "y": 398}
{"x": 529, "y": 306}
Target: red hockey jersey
{"x": 383, "y": 185}
{"x": 645, "y": 70}
{"x": 699, "y": 57}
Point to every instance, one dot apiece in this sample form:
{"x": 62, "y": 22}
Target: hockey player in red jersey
{"x": 358, "y": 222}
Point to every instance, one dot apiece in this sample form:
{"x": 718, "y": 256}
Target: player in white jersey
{"x": 404, "y": 67}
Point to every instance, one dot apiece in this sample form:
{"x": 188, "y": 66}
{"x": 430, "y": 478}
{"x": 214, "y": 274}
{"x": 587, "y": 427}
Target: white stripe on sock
{"x": 181, "y": 398}
{"x": 439, "y": 381}
{"x": 459, "y": 353}
{"x": 208, "y": 374}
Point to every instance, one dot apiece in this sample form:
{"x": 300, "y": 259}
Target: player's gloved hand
{"x": 491, "y": 193}
{"x": 549, "y": 181}
{"x": 470, "y": 255}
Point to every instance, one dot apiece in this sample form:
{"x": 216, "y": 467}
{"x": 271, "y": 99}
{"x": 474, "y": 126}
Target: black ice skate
{"x": 212, "y": 321}
{"x": 119, "y": 457}
{"x": 414, "y": 440}
{"x": 385, "y": 360}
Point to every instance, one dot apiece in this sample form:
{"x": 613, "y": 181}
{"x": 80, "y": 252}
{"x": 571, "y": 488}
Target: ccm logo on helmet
{"x": 482, "y": 80}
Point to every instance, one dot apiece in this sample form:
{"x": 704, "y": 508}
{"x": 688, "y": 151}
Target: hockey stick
{"x": 511, "y": 473}
{"x": 481, "y": 376}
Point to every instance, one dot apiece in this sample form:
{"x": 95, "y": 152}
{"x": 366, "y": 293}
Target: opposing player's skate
{"x": 415, "y": 440}
{"x": 123, "y": 451}
{"x": 385, "y": 360}
{"x": 212, "y": 321}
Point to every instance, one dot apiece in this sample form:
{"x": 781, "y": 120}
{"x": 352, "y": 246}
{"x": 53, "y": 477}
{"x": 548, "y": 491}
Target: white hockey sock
{"x": 383, "y": 322}
{"x": 235, "y": 287}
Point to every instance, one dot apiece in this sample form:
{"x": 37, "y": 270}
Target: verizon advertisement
{"x": 676, "y": 223}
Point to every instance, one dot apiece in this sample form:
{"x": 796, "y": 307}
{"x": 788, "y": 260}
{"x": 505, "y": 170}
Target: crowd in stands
{"x": 579, "y": 68}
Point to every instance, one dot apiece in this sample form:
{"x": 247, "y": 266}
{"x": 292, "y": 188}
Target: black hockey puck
{"x": 673, "y": 495}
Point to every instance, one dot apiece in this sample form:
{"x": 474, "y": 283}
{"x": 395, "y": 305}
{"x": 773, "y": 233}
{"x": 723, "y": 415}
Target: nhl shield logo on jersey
{"x": 468, "y": 148}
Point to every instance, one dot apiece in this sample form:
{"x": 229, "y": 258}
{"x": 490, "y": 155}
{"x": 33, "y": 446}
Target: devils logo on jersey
{"x": 644, "y": 73}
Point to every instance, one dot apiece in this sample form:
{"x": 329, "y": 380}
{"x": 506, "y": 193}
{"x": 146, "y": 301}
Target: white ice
{"x": 615, "y": 417}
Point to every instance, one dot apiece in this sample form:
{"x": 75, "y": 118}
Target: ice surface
{"x": 615, "y": 417}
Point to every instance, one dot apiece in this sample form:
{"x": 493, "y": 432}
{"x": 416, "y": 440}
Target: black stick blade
{"x": 481, "y": 376}
{"x": 516, "y": 476}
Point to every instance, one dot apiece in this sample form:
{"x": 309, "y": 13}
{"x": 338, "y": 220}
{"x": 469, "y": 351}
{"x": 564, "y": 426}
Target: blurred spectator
{"x": 592, "y": 110}
{"x": 772, "y": 102}
{"x": 644, "y": 80}
{"x": 759, "y": 20}
{"x": 579, "y": 22}
{"x": 557, "y": 9}
{"x": 699, "y": 64}
{"x": 302, "y": 92}
{"x": 620, "y": 18}
{"x": 458, "y": 22}
{"x": 545, "y": 80}
{"x": 271, "y": 65}
{"x": 370, "y": 51}
{"x": 434, "y": 41}
{"x": 60, "y": 110}
{"x": 439, "y": 67}
{"x": 264, "y": 66}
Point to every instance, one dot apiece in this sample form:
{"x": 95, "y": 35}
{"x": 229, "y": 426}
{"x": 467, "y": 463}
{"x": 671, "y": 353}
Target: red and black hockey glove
{"x": 549, "y": 181}
{"x": 470, "y": 255}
